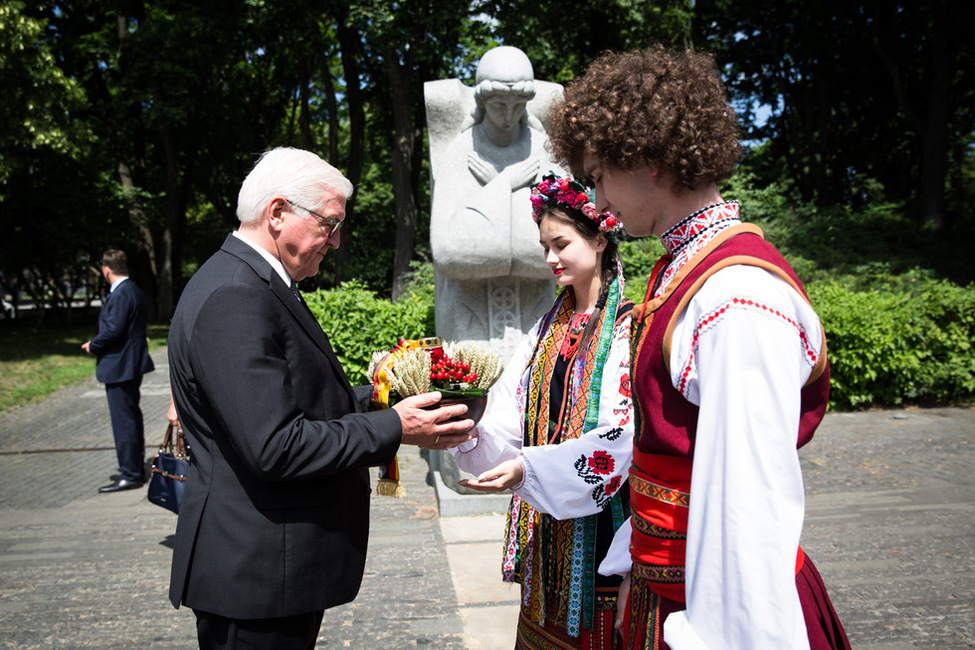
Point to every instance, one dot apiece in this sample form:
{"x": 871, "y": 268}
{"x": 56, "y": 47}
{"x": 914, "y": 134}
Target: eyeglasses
{"x": 335, "y": 224}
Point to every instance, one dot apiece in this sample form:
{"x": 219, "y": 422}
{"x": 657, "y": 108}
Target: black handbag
{"x": 167, "y": 472}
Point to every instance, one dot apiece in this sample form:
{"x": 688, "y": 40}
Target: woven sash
{"x": 659, "y": 500}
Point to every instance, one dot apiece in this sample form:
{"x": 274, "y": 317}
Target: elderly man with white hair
{"x": 274, "y": 519}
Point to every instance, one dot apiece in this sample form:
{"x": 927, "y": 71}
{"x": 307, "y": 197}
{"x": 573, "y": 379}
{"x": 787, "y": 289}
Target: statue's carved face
{"x": 505, "y": 111}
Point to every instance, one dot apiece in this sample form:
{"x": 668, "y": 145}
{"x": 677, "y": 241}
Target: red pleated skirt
{"x": 648, "y": 611}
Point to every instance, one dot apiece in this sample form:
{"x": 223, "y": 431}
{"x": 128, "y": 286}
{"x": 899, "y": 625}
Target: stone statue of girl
{"x": 487, "y": 146}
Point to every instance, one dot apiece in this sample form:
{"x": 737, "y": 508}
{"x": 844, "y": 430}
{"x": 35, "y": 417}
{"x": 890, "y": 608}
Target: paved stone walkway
{"x": 890, "y": 523}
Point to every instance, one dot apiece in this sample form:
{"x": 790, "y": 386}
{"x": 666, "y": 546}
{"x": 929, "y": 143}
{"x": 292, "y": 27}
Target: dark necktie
{"x": 294, "y": 290}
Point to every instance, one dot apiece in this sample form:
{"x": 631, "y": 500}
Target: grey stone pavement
{"x": 890, "y": 522}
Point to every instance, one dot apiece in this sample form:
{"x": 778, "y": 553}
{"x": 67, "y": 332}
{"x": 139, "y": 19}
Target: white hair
{"x": 294, "y": 174}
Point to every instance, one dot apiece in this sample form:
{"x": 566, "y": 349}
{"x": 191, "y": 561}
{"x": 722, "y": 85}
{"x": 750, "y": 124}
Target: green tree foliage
{"x": 135, "y": 122}
{"x": 869, "y": 100}
{"x": 40, "y": 97}
{"x": 823, "y": 242}
{"x": 176, "y": 106}
{"x": 407, "y": 43}
{"x": 54, "y": 198}
{"x": 563, "y": 39}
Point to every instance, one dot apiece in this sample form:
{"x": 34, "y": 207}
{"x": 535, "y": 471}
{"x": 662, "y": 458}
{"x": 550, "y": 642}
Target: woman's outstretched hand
{"x": 508, "y": 474}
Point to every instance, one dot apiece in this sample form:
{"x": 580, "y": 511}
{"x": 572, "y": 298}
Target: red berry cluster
{"x": 445, "y": 371}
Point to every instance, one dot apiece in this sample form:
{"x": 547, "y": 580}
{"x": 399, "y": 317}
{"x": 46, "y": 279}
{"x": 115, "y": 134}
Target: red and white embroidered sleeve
{"x": 578, "y": 477}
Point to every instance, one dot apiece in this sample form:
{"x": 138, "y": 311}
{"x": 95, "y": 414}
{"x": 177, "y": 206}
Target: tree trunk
{"x": 137, "y": 215}
{"x": 304, "y": 116}
{"x": 333, "y": 113}
{"x": 932, "y": 128}
{"x": 349, "y": 46}
{"x": 145, "y": 248}
{"x": 174, "y": 211}
{"x": 404, "y": 198}
{"x": 934, "y": 148}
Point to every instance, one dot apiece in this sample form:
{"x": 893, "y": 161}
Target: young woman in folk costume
{"x": 729, "y": 370}
{"x": 559, "y": 431}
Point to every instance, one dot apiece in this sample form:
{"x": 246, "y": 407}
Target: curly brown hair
{"x": 649, "y": 107}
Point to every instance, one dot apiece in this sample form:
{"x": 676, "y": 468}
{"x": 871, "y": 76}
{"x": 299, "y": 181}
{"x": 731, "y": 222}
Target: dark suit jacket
{"x": 120, "y": 344}
{"x": 274, "y": 519}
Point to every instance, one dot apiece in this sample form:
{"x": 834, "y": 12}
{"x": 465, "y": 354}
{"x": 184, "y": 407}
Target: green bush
{"x": 892, "y": 339}
{"x": 358, "y": 322}
{"x": 638, "y": 257}
{"x": 908, "y": 340}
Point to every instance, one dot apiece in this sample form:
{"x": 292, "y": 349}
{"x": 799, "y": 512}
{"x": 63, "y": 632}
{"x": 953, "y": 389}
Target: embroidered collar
{"x": 712, "y": 218}
{"x": 693, "y": 233}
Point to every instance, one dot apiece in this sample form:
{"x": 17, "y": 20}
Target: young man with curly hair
{"x": 729, "y": 371}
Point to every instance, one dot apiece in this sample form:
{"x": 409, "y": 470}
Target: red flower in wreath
{"x": 602, "y": 463}
{"x": 613, "y": 485}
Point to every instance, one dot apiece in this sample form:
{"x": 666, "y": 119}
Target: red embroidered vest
{"x": 666, "y": 423}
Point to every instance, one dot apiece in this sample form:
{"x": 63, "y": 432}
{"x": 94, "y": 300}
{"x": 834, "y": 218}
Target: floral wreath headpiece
{"x": 574, "y": 195}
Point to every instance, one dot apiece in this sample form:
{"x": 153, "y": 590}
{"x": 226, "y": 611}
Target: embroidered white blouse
{"x": 574, "y": 478}
{"x": 744, "y": 369}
